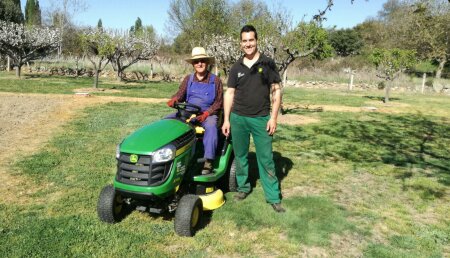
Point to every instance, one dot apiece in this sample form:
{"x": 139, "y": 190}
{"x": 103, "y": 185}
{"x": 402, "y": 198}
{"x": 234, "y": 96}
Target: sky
{"x": 121, "y": 14}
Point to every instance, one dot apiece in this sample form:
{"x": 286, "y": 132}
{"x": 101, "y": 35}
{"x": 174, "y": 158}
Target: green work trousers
{"x": 241, "y": 129}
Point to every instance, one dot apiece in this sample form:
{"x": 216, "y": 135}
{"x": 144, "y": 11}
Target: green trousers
{"x": 241, "y": 129}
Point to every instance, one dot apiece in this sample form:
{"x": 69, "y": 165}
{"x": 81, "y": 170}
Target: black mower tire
{"x": 232, "y": 183}
{"x": 188, "y": 215}
{"x": 110, "y": 207}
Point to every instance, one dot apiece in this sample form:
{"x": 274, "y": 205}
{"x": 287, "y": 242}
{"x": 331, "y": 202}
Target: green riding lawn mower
{"x": 159, "y": 171}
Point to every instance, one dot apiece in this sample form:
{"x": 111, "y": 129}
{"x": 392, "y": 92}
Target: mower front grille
{"x": 143, "y": 172}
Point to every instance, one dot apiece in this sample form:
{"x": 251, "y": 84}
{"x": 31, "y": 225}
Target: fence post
{"x": 151, "y": 70}
{"x": 423, "y": 82}
{"x": 350, "y": 86}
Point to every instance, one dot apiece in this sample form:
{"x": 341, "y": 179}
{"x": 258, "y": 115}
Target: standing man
{"x": 252, "y": 79}
{"x": 204, "y": 89}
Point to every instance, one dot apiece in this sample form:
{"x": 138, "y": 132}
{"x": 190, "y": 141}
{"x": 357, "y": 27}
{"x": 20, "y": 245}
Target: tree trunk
{"x": 441, "y": 67}
{"x": 8, "y": 64}
{"x": 119, "y": 75}
{"x": 77, "y": 60}
{"x": 18, "y": 71}
{"x": 19, "y": 68}
{"x": 97, "y": 72}
{"x": 388, "y": 92}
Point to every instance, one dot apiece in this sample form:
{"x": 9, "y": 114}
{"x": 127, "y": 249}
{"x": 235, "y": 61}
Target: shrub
{"x": 424, "y": 67}
{"x": 429, "y": 82}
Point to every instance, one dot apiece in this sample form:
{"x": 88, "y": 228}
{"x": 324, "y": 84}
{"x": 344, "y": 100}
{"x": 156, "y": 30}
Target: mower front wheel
{"x": 188, "y": 215}
{"x": 111, "y": 207}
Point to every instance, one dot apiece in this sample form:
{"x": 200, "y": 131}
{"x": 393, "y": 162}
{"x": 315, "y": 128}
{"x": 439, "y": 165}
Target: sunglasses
{"x": 199, "y": 61}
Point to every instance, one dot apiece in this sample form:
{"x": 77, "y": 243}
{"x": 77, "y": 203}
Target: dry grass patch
{"x": 290, "y": 119}
{"x": 90, "y": 90}
{"x": 302, "y": 190}
{"x": 348, "y": 244}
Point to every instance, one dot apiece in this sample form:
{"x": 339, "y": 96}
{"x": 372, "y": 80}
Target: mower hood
{"x": 154, "y": 136}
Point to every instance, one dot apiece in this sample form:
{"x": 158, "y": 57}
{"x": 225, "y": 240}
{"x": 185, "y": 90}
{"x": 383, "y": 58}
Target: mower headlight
{"x": 164, "y": 154}
{"x": 118, "y": 151}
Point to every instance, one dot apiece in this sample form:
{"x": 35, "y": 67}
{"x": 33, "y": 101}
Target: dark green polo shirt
{"x": 252, "y": 86}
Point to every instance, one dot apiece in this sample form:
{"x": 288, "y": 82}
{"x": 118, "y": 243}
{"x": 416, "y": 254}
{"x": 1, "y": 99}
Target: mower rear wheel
{"x": 111, "y": 207}
{"x": 188, "y": 215}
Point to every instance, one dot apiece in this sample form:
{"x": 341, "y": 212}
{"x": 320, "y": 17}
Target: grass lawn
{"x": 45, "y": 84}
{"x": 372, "y": 184}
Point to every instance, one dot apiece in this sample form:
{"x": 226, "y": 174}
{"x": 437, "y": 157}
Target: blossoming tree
{"x": 130, "y": 49}
{"x": 23, "y": 44}
{"x": 97, "y": 46}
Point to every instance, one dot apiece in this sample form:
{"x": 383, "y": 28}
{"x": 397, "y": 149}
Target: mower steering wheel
{"x": 185, "y": 110}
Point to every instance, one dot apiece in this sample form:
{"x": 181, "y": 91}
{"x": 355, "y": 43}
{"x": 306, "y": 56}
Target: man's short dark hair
{"x": 249, "y": 28}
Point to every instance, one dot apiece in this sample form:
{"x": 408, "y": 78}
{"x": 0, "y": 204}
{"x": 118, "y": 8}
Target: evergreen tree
{"x": 99, "y": 24}
{"x": 345, "y": 42}
{"x": 32, "y": 13}
{"x": 29, "y": 12}
{"x": 11, "y": 11}
{"x": 137, "y": 29}
{"x": 138, "y": 24}
{"x": 38, "y": 16}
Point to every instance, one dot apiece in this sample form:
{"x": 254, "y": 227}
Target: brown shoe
{"x": 240, "y": 196}
{"x": 277, "y": 207}
{"x": 207, "y": 167}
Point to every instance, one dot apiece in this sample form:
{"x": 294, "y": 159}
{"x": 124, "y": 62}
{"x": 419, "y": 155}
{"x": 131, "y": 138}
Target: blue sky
{"x": 121, "y": 14}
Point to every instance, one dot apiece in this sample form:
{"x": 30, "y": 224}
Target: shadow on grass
{"x": 310, "y": 220}
{"x": 144, "y": 82}
{"x": 414, "y": 143}
{"x": 127, "y": 87}
{"x": 58, "y": 77}
{"x": 300, "y": 110}
{"x": 380, "y": 98}
{"x": 282, "y": 167}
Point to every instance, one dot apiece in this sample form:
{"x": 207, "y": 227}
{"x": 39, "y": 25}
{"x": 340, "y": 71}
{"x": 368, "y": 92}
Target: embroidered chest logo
{"x": 240, "y": 75}
{"x": 260, "y": 70}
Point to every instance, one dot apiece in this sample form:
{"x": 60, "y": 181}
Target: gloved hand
{"x": 202, "y": 117}
{"x": 171, "y": 102}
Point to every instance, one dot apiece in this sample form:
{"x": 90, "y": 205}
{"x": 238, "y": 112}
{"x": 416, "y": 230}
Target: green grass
{"x": 46, "y": 84}
{"x": 355, "y": 184}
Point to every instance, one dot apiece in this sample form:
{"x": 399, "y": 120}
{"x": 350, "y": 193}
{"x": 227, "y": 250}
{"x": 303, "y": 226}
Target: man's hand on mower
{"x": 202, "y": 117}
{"x": 171, "y": 102}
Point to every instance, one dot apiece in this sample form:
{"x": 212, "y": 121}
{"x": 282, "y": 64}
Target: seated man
{"x": 204, "y": 89}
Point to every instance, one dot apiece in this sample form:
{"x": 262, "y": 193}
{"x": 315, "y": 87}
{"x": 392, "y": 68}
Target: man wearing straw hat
{"x": 204, "y": 89}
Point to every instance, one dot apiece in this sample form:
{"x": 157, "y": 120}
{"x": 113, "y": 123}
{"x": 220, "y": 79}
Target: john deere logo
{"x": 134, "y": 158}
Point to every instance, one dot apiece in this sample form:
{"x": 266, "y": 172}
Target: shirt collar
{"x": 260, "y": 58}
{"x": 206, "y": 78}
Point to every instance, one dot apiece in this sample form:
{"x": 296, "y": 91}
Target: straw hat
{"x": 200, "y": 53}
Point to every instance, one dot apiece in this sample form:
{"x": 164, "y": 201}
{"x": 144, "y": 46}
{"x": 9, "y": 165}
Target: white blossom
{"x": 129, "y": 49}
{"x": 23, "y": 44}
